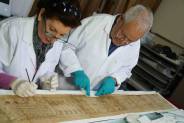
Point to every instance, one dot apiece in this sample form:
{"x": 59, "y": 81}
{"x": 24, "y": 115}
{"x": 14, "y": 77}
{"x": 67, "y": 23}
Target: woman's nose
{"x": 58, "y": 36}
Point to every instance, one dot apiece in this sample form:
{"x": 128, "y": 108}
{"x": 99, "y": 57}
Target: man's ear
{"x": 40, "y": 15}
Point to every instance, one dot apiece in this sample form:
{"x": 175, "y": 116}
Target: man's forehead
{"x": 132, "y": 31}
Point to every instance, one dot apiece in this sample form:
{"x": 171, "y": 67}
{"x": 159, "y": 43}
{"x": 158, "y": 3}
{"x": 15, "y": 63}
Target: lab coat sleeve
{"x": 8, "y": 41}
{"x": 69, "y": 61}
{"x": 124, "y": 72}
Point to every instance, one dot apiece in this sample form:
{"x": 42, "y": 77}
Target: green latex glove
{"x": 82, "y": 81}
{"x": 107, "y": 86}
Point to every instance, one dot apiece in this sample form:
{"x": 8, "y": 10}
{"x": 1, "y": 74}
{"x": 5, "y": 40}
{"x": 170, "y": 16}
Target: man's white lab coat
{"x": 88, "y": 51}
{"x": 17, "y": 52}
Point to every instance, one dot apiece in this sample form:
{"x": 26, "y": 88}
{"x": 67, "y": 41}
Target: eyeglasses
{"x": 52, "y": 34}
{"x": 65, "y": 38}
{"x": 121, "y": 36}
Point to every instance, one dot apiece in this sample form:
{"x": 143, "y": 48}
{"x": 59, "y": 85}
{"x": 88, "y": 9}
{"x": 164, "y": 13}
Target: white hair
{"x": 140, "y": 14}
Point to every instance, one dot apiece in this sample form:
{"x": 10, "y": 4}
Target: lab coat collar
{"x": 107, "y": 30}
{"x": 108, "y": 26}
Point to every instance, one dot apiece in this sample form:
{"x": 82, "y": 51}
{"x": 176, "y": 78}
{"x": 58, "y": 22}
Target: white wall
{"x": 169, "y": 21}
{"x": 175, "y": 48}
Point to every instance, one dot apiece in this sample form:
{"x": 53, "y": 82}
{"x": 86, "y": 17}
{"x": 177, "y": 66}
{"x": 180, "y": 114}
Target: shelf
{"x": 147, "y": 55}
{"x": 148, "y": 79}
{"x": 162, "y": 65}
{"x": 139, "y": 84}
{"x": 174, "y": 62}
{"x": 155, "y": 72}
{"x": 156, "y": 55}
{"x": 156, "y": 67}
{"x": 161, "y": 77}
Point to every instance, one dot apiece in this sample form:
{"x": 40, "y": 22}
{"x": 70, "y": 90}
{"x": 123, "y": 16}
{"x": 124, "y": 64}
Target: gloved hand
{"x": 49, "y": 81}
{"x": 82, "y": 81}
{"x": 24, "y": 88}
{"x": 107, "y": 86}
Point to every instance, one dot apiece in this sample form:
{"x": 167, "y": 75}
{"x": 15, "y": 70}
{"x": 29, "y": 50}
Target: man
{"x": 102, "y": 51}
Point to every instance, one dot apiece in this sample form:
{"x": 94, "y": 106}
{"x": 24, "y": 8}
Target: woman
{"x": 30, "y": 47}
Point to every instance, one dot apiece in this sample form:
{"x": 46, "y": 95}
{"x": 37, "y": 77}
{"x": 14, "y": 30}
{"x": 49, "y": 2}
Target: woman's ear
{"x": 40, "y": 14}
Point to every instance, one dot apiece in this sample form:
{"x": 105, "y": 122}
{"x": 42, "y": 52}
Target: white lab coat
{"x": 89, "y": 52}
{"x": 17, "y": 52}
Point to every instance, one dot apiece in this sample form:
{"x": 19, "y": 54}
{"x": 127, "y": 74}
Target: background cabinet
{"x": 155, "y": 71}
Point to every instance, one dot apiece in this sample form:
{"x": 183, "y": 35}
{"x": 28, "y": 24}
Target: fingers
{"x": 48, "y": 76}
{"x": 54, "y": 85}
{"x": 49, "y": 81}
{"x": 84, "y": 85}
{"x": 45, "y": 85}
{"x": 82, "y": 81}
{"x": 32, "y": 89}
{"x": 88, "y": 90}
{"x": 100, "y": 92}
{"x": 44, "y": 78}
{"x": 28, "y": 93}
{"x": 26, "y": 89}
{"x": 34, "y": 85}
{"x": 54, "y": 81}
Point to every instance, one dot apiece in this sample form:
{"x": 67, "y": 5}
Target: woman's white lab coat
{"x": 89, "y": 51}
{"x": 17, "y": 52}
